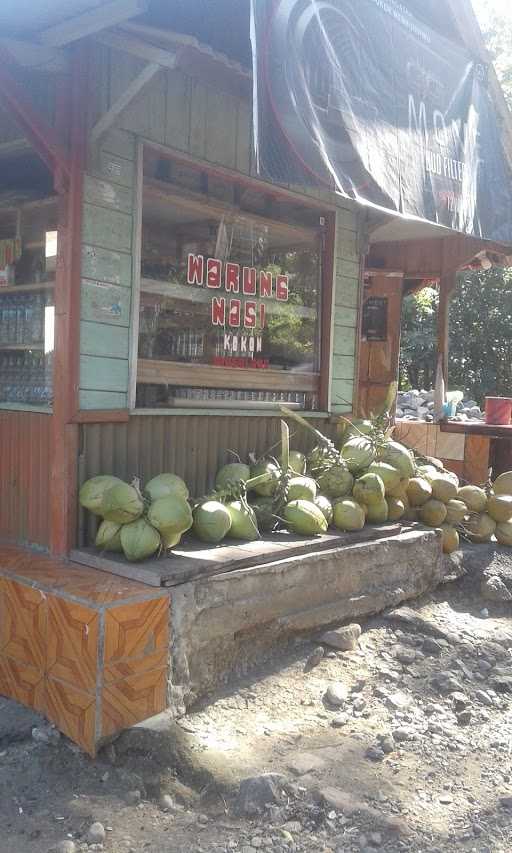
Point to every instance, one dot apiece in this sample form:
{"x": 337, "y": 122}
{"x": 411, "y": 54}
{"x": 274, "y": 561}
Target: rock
{"x": 484, "y": 698}
{"x": 258, "y": 791}
{"x": 387, "y": 744}
{"x": 133, "y": 798}
{"x": 506, "y": 802}
{"x": 493, "y": 589}
{"x": 502, "y": 683}
{"x": 445, "y": 682}
{"x": 344, "y": 639}
{"x": 359, "y": 705}
{"x": 405, "y": 655}
{"x": 401, "y": 734}
{"x": 292, "y": 826}
{"x": 375, "y": 753}
{"x": 66, "y": 846}
{"x": 460, "y": 701}
{"x": 301, "y": 763}
{"x": 96, "y": 833}
{"x": 399, "y": 700}
{"x": 484, "y": 613}
{"x": 45, "y": 734}
{"x": 339, "y": 721}
{"x": 166, "y": 803}
{"x": 464, "y": 717}
{"x": 314, "y": 659}
{"x": 336, "y": 694}
{"x": 342, "y": 801}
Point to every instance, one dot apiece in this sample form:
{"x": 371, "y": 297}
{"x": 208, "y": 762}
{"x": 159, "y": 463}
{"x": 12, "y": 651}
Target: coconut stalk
{"x": 330, "y": 455}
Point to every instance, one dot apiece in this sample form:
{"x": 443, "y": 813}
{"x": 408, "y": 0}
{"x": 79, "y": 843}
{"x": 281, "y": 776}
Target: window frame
{"x": 233, "y": 377}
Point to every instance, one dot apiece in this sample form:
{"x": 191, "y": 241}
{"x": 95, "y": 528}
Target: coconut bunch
{"x": 138, "y": 523}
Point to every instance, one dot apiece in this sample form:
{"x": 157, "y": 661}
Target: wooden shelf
{"x": 21, "y": 347}
{"x": 154, "y": 372}
{"x": 472, "y": 428}
{"x": 27, "y": 288}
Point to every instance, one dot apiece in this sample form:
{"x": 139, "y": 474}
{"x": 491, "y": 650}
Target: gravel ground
{"x": 403, "y": 743}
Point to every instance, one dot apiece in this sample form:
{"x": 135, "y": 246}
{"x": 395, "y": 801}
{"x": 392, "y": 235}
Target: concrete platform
{"x": 223, "y": 624}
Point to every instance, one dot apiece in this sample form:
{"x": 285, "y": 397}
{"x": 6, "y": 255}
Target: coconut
{"x": 357, "y": 427}
{"x": 399, "y": 491}
{"x": 108, "y": 537}
{"x": 474, "y": 498}
{"x": 93, "y": 491}
{"x": 232, "y": 475}
{"x": 503, "y": 484}
{"x": 419, "y": 491}
{"x": 166, "y": 484}
{"x": 211, "y": 521}
{"x": 426, "y": 471}
{"x": 378, "y": 513}
{"x": 369, "y": 489}
{"x": 450, "y": 539}
{"x": 503, "y": 533}
{"x": 399, "y": 457}
{"x": 358, "y": 453}
{"x": 122, "y": 504}
{"x": 336, "y": 482}
{"x": 389, "y": 475}
{"x": 305, "y": 518}
{"x": 412, "y": 514}
{"x": 480, "y": 527}
{"x": 348, "y": 515}
{"x": 316, "y": 459}
{"x": 456, "y": 511}
{"x": 244, "y": 524}
{"x": 443, "y": 488}
{"x": 433, "y": 513}
{"x": 266, "y": 489}
{"x": 172, "y": 517}
{"x": 396, "y": 508}
{"x": 499, "y": 507}
{"x": 264, "y": 510}
{"x": 297, "y": 462}
{"x": 139, "y": 540}
{"x": 302, "y": 489}
{"x": 325, "y": 506}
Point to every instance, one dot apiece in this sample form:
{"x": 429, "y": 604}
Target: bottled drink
{"x": 20, "y": 319}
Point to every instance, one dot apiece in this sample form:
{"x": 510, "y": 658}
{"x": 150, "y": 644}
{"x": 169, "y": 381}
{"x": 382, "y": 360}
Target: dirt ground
{"x": 417, "y": 756}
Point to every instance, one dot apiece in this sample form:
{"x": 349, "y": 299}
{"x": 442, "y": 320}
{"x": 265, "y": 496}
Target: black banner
{"x": 364, "y": 98}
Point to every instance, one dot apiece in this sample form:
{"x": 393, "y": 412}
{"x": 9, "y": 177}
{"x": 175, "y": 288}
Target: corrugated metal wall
{"x": 25, "y": 459}
{"x": 192, "y": 446}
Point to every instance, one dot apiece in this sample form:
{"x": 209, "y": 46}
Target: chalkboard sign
{"x": 375, "y": 319}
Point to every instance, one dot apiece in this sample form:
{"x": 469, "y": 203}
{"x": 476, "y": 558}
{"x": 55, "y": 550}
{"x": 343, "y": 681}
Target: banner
{"x": 367, "y": 100}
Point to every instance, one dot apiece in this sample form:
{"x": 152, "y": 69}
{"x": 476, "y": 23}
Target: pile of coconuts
{"x": 364, "y": 477}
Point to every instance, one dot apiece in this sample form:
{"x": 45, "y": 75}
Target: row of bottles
{"x": 26, "y": 377}
{"x": 22, "y": 318}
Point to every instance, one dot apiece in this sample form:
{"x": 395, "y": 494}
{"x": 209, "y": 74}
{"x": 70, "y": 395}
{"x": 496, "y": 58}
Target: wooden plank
{"x": 345, "y": 317}
{"x": 178, "y": 106}
{"x": 103, "y": 374}
{"x": 191, "y": 560}
{"x": 342, "y": 393}
{"x": 207, "y": 376}
{"x": 347, "y": 268}
{"x": 135, "y": 302}
{"x": 197, "y": 133}
{"x": 107, "y": 228}
{"x": 119, "y": 106}
{"x": 347, "y": 291}
{"x": 99, "y": 339}
{"x": 244, "y": 137}
{"x": 107, "y": 194}
{"x": 115, "y": 168}
{"x": 119, "y": 142}
{"x": 102, "y": 302}
{"x": 102, "y": 400}
{"x": 107, "y": 265}
{"x": 344, "y": 340}
{"x": 221, "y": 128}
{"x": 343, "y": 367}
{"x": 489, "y": 430}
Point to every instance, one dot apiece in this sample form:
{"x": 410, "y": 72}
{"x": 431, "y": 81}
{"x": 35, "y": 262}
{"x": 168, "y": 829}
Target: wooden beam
{"x": 139, "y": 48}
{"x": 31, "y": 55}
{"x": 155, "y": 372}
{"x": 135, "y": 87}
{"x": 105, "y": 15}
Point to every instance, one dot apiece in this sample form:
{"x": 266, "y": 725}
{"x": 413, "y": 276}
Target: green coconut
{"x": 443, "y": 488}
{"x": 503, "y": 533}
{"x": 264, "y": 511}
{"x": 399, "y": 457}
{"x": 305, "y": 518}
{"x": 378, "y": 513}
{"x": 172, "y": 517}
{"x": 399, "y": 491}
{"x": 389, "y": 475}
{"x": 268, "y": 467}
{"x": 297, "y": 462}
{"x": 456, "y": 511}
{"x": 166, "y": 484}
{"x": 419, "y": 491}
{"x": 302, "y": 489}
{"x": 480, "y": 527}
{"x": 358, "y": 453}
{"x": 348, "y": 515}
{"x": 93, "y": 491}
{"x": 232, "y": 475}
{"x": 503, "y": 484}
{"x": 451, "y": 539}
{"x": 323, "y": 503}
{"x": 108, "y": 537}
{"x": 244, "y": 524}
{"x": 396, "y": 508}
{"x": 359, "y": 426}
{"x": 499, "y": 507}
{"x": 316, "y": 459}
{"x": 211, "y": 521}
{"x": 336, "y": 482}
{"x": 426, "y": 471}
{"x": 139, "y": 540}
{"x": 122, "y": 504}
{"x": 433, "y": 513}
{"x": 369, "y": 489}
{"x": 474, "y": 497}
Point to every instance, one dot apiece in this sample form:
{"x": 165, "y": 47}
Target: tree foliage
{"x": 497, "y": 32}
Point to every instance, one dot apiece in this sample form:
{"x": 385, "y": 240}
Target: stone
{"x": 387, "y": 744}
{"x": 66, "y": 846}
{"x": 460, "y": 701}
{"x": 45, "y": 734}
{"x": 506, "y": 802}
{"x": 502, "y": 683}
{"x": 96, "y": 833}
{"x": 342, "y": 801}
{"x": 133, "y": 798}
{"x": 166, "y": 803}
{"x": 399, "y": 700}
{"x": 344, "y": 639}
{"x": 405, "y": 655}
{"x": 493, "y": 589}
{"x": 315, "y": 658}
{"x": 484, "y": 698}
{"x": 292, "y": 826}
{"x": 258, "y": 791}
{"x": 339, "y": 721}
{"x": 401, "y": 734}
{"x": 336, "y": 694}
{"x": 301, "y": 763}
{"x": 359, "y": 705}
{"x": 446, "y": 682}
{"x": 464, "y": 717}
{"x": 375, "y": 753}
